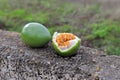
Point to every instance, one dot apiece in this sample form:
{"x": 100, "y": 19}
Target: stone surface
{"x": 20, "y": 62}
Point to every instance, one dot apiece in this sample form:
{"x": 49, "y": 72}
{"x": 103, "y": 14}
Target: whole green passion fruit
{"x": 35, "y": 35}
{"x": 65, "y": 44}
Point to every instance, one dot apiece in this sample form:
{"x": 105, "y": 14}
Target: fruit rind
{"x": 35, "y": 35}
{"x": 71, "y": 51}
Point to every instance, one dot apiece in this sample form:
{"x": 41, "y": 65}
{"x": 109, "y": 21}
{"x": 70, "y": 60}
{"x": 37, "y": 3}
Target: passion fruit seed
{"x": 65, "y": 44}
{"x": 64, "y": 38}
{"x": 35, "y": 35}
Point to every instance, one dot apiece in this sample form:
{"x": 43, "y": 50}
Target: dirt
{"x": 111, "y": 8}
{"x": 20, "y": 62}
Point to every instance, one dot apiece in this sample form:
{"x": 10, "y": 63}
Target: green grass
{"x": 87, "y": 21}
{"x": 15, "y": 16}
{"x": 106, "y": 34}
{"x": 64, "y": 28}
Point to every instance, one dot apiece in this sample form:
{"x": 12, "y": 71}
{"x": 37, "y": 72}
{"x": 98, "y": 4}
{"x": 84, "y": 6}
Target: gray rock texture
{"x": 20, "y": 62}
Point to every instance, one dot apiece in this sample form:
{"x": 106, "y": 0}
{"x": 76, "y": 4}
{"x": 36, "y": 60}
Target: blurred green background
{"x": 96, "y": 22}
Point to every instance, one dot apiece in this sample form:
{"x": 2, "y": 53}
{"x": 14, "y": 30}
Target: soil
{"x": 20, "y": 62}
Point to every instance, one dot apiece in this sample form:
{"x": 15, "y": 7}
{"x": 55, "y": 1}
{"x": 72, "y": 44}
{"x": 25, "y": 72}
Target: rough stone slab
{"x": 20, "y": 62}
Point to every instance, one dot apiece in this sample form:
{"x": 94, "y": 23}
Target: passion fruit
{"x": 35, "y": 35}
{"x": 65, "y": 44}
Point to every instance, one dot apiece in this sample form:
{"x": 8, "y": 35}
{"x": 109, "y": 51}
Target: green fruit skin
{"x": 35, "y": 35}
{"x": 69, "y": 53}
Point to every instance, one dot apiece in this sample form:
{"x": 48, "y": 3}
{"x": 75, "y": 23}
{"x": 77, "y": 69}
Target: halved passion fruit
{"x": 65, "y": 44}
